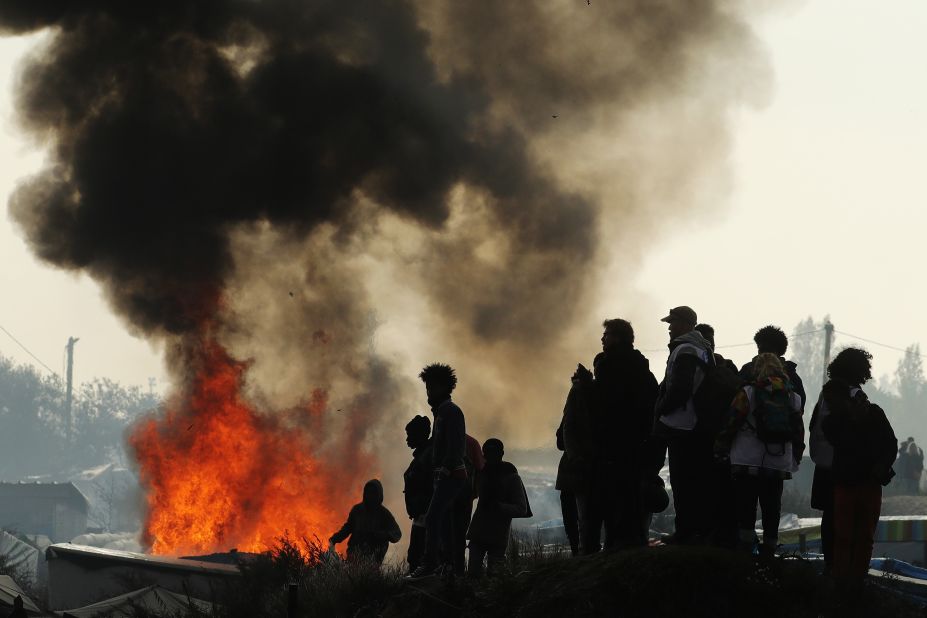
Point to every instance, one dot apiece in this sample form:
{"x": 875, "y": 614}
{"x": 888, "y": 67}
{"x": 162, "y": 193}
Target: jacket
{"x": 864, "y": 442}
{"x": 621, "y": 398}
{"x": 675, "y": 408}
{"x": 419, "y": 481}
{"x": 738, "y": 438}
{"x": 835, "y": 395}
{"x": 502, "y": 497}
{"x": 370, "y": 525}
{"x": 449, "y": 437}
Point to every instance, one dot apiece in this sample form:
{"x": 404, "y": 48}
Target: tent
{"x": 152, "y": 598}
{"x": 9, "y": 590}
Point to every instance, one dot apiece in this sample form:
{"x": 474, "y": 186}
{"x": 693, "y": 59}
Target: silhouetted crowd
{"x": 731, "y": 437}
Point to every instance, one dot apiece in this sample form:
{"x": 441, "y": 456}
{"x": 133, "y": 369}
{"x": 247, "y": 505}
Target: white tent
{"x": 9, "y": 590}
{"x": 152, "y": 598}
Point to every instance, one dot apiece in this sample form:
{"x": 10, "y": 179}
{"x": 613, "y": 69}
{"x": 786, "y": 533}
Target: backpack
{"x": 714, "y": 395}
{"x": 774, "y": 416}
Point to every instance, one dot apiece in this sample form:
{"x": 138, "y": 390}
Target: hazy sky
{"x": 826, "y": 213}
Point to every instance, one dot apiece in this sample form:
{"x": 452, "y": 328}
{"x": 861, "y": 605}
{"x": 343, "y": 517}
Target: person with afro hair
{"x": 450, "y": 472}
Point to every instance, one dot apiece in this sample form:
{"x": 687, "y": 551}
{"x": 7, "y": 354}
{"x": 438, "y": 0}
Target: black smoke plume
{"x": 493, "y": 157}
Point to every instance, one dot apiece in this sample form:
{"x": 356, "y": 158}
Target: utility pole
{"x": 70, "y": 385}
{"x": 828, "y": 340}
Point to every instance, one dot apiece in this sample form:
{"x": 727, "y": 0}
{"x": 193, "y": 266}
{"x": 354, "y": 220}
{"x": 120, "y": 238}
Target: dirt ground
{"x": 904, "y": 505}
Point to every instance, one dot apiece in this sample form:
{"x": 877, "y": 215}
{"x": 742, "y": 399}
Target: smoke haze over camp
{"x": 652, "y": 187}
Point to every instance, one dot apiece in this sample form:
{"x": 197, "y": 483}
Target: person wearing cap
{"x": 690, "y": 452}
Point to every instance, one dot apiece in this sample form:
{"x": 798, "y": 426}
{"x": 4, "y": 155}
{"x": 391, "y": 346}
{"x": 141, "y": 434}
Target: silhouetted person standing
{"x": 864, "y": 449}
{"x": 18, "y": 610}
{"x": 568, "y": 481}
{"x": 621, "y": 396}
{"x": 463, "y": 506}
{"x": 450, "y": 473}
{"x": 690, "y": 452}
{"x": 502, "y": 497}
{"x": 910, "y": 465}
{"x": 419, "y": 484}
{"x": 728, "y": 382}
{"x": 763, "y": 440}
{"x": 370, "y": 526}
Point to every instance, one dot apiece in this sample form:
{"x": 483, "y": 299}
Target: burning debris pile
{"x": 201, "y": 150}
{"x": 219, "y": 471}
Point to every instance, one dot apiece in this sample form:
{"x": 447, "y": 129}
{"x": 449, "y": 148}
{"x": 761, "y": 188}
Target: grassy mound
{"x": 690, "y": 582}
{"x": 669, "y": 581}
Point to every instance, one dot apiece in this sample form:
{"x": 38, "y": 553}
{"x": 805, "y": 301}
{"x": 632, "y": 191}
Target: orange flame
{"x": 221, "y": 475}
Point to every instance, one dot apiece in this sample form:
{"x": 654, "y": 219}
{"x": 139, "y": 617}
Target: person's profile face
{"x": 678, "y": 328}
{"x": 609, "y": 338}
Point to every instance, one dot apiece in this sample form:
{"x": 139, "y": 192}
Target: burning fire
{"x": 219, "y": 474}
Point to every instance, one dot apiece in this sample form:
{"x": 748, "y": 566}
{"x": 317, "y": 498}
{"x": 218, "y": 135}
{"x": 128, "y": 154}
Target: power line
{"x": 10, "y": 335}
{"x": 749, "y": 343}
{"x": 884, "y": 345}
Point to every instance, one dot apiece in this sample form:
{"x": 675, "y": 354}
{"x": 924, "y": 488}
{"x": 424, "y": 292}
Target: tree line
{"x": 34, "y": 437}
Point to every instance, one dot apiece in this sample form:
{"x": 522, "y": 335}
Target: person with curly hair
{"x": 759, "y": 462}
{"x": 450, "y": 472}
{"x": 853, "y": 447}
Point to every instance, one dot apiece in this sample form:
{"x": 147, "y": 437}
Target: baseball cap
{"x": 686, "y": 314}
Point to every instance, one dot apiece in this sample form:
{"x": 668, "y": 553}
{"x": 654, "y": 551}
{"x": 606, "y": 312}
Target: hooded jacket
{"x": 370, "y": 525}
{"x": 675, "y": 407}
{"x": 502, "y": 497}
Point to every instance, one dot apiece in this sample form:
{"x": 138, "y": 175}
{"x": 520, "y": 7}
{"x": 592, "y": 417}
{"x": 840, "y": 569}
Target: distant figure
{"x": 690, "y": 452}
{"x": 772, "y": 340}
{"x": 371, "y": 527}
{"x": 463, "y": 506}
{"x": 764, "y": 442}
{"x": 568, "y": 481}
{"x": 863, "y": 448}
{"x": 620, "y": 394}
{"x": 18, "y": 610}
{"x": 502, "y": 497}
{"x": 723, "y": 383}
{"x": 450, "y": 472}
{"x": 910, "y": 466}
{"x": 419, "y": 484}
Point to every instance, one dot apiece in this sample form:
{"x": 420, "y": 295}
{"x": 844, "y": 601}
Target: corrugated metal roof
{"x": 87, "y": 552}
{"x": 43, "y": 490}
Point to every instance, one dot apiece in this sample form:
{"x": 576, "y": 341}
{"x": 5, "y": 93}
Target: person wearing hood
{"x": 418, "y": 480}
{"x": 620, "y": 395}
{"x": 772, "y": 340}
{"x": 761, "y": 458}
{"x": 370, "y": 526}
{"x": 690, "y": 452}
{"x": 502, "y": 496}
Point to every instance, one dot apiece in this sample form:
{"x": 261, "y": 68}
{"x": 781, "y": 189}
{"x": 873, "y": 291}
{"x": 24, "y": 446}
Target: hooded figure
{"x": 371, "y": 527}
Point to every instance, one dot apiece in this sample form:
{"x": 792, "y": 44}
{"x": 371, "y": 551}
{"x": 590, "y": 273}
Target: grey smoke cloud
{"x": 490, "y": 159}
